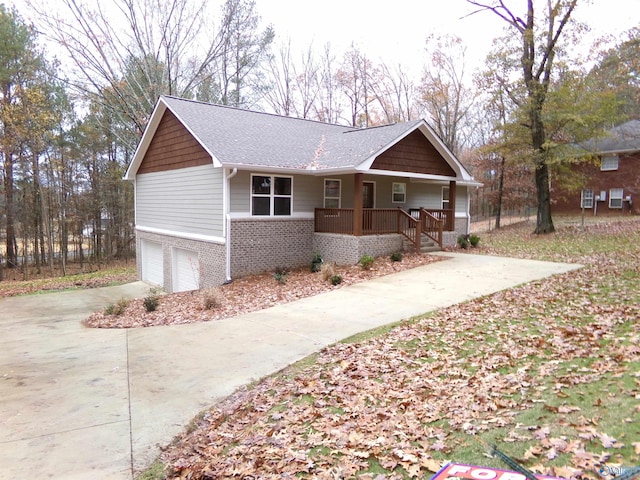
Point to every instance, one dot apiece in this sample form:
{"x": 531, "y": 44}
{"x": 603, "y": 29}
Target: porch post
{"x": 357, "y": 204}
{"x": 452, "y": 206}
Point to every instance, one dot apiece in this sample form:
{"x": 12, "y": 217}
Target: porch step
{"x": 426, "y": 245}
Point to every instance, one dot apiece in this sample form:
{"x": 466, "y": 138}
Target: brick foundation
{"x": 347, "y": 249}
{"x": 263, "y": 245}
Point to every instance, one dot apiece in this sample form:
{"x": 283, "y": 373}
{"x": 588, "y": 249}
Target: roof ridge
{"x": 246, "y": 110}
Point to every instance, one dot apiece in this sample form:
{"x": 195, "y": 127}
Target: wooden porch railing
{"x": 445, "y": 215}
{"x": 408, "y": 227}
{"x": 334, "y": 220}
{"x": 431, "y": 226}
{"x": 380, "y": 221}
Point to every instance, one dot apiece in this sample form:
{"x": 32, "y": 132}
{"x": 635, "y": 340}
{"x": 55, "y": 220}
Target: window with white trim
{"x": 332, "y": 190}
{"x": 586, "y": 199}
{"x": 271, "y": 195}
{"x": 445, "y": 198}
{"x": 615, "y": 198}
{"x": 610, "y": 162}
{"x": 399, "y": 192}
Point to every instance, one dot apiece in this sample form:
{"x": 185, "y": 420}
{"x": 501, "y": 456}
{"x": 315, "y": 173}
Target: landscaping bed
{"x": 246, "y": 294}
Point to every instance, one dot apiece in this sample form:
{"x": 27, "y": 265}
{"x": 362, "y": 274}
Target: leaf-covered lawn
{"x": 549, "y": 371}
{"x": 115, "y": 275}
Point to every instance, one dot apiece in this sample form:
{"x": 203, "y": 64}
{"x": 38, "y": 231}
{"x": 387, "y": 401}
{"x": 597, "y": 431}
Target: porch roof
{"x": 243, "y": 139}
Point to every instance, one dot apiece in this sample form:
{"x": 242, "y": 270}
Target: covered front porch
{"x": 409, "y": 221}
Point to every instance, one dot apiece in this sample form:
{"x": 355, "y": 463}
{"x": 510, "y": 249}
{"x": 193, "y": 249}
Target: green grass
{"x": 562, "y": 354}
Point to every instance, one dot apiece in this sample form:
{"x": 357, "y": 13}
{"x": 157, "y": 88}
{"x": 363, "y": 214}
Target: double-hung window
{"x": 271, "y": 195}
{"x": 399, "y": 192}
{"x": 610, "y": 162}
{"x": 332, "y": 193}
{"x": 445, "y": 198}
{"x": 615, "y": 198}
{"x": 586, "y": 200}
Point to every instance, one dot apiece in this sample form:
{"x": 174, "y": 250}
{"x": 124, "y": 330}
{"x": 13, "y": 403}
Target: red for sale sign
{"x": 473, "y": 472}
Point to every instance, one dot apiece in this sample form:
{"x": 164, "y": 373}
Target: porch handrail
{"x": 431, "y": 226}
{"x": 408, "y": 227}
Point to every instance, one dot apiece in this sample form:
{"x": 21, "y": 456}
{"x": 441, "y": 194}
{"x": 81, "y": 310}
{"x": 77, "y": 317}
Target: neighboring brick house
{"x": 222, "y": 192}
{"x": 611, "y": 185}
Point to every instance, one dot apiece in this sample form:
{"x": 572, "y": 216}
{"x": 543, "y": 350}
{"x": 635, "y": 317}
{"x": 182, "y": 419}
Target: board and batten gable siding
{"x": 414, "y": 153}
{"x": 307, "y": 192}
{"x": 188, "y": 200}
{"x": 172, "y": 148}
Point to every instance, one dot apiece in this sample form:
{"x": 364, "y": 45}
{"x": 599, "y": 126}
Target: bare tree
{"x": 126, "y": 55}
{"x": 395, "y": 93}
{"x": 328, "y": 107}
{"x": 354, "y": 79}
{"x": 444, "y": 95}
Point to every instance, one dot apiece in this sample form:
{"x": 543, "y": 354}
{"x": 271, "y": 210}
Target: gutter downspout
{"x": 228, "y": 221}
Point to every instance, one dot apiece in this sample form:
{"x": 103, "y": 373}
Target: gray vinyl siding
{"x": 307, "y": 192}
{"x": 430, "y": 196}
{"x": 187, "y": 200}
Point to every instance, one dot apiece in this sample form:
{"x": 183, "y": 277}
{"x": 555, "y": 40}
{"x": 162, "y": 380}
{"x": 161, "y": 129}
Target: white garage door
{"x": 152, "y": 262}
{"x": 186, "y": 270}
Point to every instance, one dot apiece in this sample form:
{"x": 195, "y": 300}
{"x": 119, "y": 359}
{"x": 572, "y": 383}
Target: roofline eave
{"x": 149, "y": 133}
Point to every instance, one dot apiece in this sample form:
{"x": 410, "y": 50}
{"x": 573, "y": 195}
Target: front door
{"x": 368, "y": 196}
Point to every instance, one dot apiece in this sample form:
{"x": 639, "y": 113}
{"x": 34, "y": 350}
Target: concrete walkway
{"x": 79, "y": 403}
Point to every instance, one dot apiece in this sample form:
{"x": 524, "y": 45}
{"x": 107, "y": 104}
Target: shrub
{"x": 280, "y": 275}
{"x": 474, "y": 240}
{"x": 211, "y": 298}
{"x": 366, "y": 261}
{"x": 396, "y": 257}
{"x": 316, "y": 262}
{"x": 328, "y": 270}
{"x": 336, "y": 280}
{"x": 463, "y": 241}
{"x": 117, "y": 309}
{"x": 151, "y": 302}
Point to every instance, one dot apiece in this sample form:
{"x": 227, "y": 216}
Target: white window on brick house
{"x": 615, "y": 198}
{"x": 586, "y": 200}
{"x": 609, "y": 162}
{"x": 332, "y": 190}
{"x": 445, "y": 198}
{"x": 271, "y": 195}
{"x": 399, "y": 192}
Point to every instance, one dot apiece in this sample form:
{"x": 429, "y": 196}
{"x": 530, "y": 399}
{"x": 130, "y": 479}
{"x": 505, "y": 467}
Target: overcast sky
{"x": 395, "y": 31}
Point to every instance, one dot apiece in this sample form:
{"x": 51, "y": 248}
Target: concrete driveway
{"x": 79, "y": 403}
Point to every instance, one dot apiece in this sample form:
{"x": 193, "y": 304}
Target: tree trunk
{"x": 544, "y": 223}
{"x": 11, "y": 244}
{"x": 500, "y": 191}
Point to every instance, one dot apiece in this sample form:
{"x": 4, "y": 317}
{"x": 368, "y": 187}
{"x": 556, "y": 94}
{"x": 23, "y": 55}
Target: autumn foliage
{"x": 547, "y": 370}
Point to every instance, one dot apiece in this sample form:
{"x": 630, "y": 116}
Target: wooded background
{"x": 71, "y": 114}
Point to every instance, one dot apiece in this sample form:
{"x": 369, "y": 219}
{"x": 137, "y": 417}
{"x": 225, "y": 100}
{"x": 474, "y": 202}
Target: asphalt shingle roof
{"x": 623, "y": 138}
{"x": 242, "y": 137}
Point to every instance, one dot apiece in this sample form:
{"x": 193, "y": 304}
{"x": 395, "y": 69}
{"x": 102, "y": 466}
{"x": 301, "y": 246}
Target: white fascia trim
{"x": 414, "y": 177}
{"x": 290, "y": 171}
{"x": 145, "y": 141}
{"x": 149, "y": 133}
{"x": 446, "y": 180}
{"x": 269, "y": 218}
{"x": 435, "y": 140}
{"x": 188, "y": 236}
{"x": 216, "y": 162}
